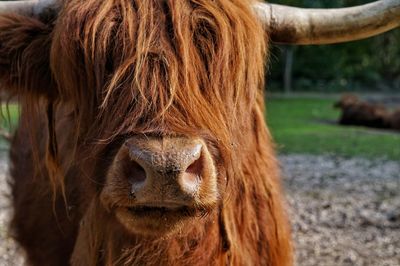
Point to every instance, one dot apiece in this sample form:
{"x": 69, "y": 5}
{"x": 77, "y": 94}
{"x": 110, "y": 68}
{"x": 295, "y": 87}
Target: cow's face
{"x": 170, "y": 88}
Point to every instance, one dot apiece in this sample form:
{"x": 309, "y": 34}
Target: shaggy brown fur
{"x": 360, "y": 113}
{"x": 395, "y": 120}
{"x": 105, "y": 70}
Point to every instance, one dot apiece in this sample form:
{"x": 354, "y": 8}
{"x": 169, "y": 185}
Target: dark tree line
{"x": 370, "y": 64}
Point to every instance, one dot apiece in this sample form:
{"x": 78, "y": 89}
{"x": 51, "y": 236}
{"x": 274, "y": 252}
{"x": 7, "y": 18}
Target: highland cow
{"x": 360, "y": 113}
{"x": 356, "y": 112}
{"x": 142, "y": 138}
{"x": 394, "y": 120}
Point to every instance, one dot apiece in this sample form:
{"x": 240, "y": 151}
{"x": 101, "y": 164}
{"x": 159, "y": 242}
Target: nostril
{"x": 135, "y": 173}
{"x": 192, "y": 176}
{"x": 196, "y": 167}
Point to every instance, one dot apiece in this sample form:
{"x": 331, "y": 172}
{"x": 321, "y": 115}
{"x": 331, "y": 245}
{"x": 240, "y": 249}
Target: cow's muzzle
{"x": 154, "y": 183}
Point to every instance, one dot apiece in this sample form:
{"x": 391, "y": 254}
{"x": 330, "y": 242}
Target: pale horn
{"x": 292, "y": 25}
{"x": 29, "y": 8}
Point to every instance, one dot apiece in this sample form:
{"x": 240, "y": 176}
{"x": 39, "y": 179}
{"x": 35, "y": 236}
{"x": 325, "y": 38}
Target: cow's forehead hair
{"x": 178, "y": 63}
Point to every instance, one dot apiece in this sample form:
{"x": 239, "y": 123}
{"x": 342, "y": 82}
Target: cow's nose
{"x": 166, "y": 169}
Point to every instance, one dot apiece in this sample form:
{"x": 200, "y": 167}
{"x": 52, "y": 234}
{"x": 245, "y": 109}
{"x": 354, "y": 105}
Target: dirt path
{"x": 344, "y": 211}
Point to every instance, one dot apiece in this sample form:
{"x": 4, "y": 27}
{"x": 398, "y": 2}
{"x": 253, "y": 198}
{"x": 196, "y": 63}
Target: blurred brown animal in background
{"x": 359, "y": 113}
{"x": 394, "y": 119}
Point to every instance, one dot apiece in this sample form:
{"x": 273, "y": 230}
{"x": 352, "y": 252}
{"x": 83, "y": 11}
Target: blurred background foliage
{"x": 372, "y": 64}
{"x": 306, "y": 122}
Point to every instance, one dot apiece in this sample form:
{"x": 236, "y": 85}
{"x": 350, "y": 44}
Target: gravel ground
{"x": 10, "y": 254}
{"x": 344, "y": 211}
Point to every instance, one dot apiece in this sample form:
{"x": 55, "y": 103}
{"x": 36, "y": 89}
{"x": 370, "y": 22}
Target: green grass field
{"x": 9, "y": 116}
{"x": 305, "y": 125}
